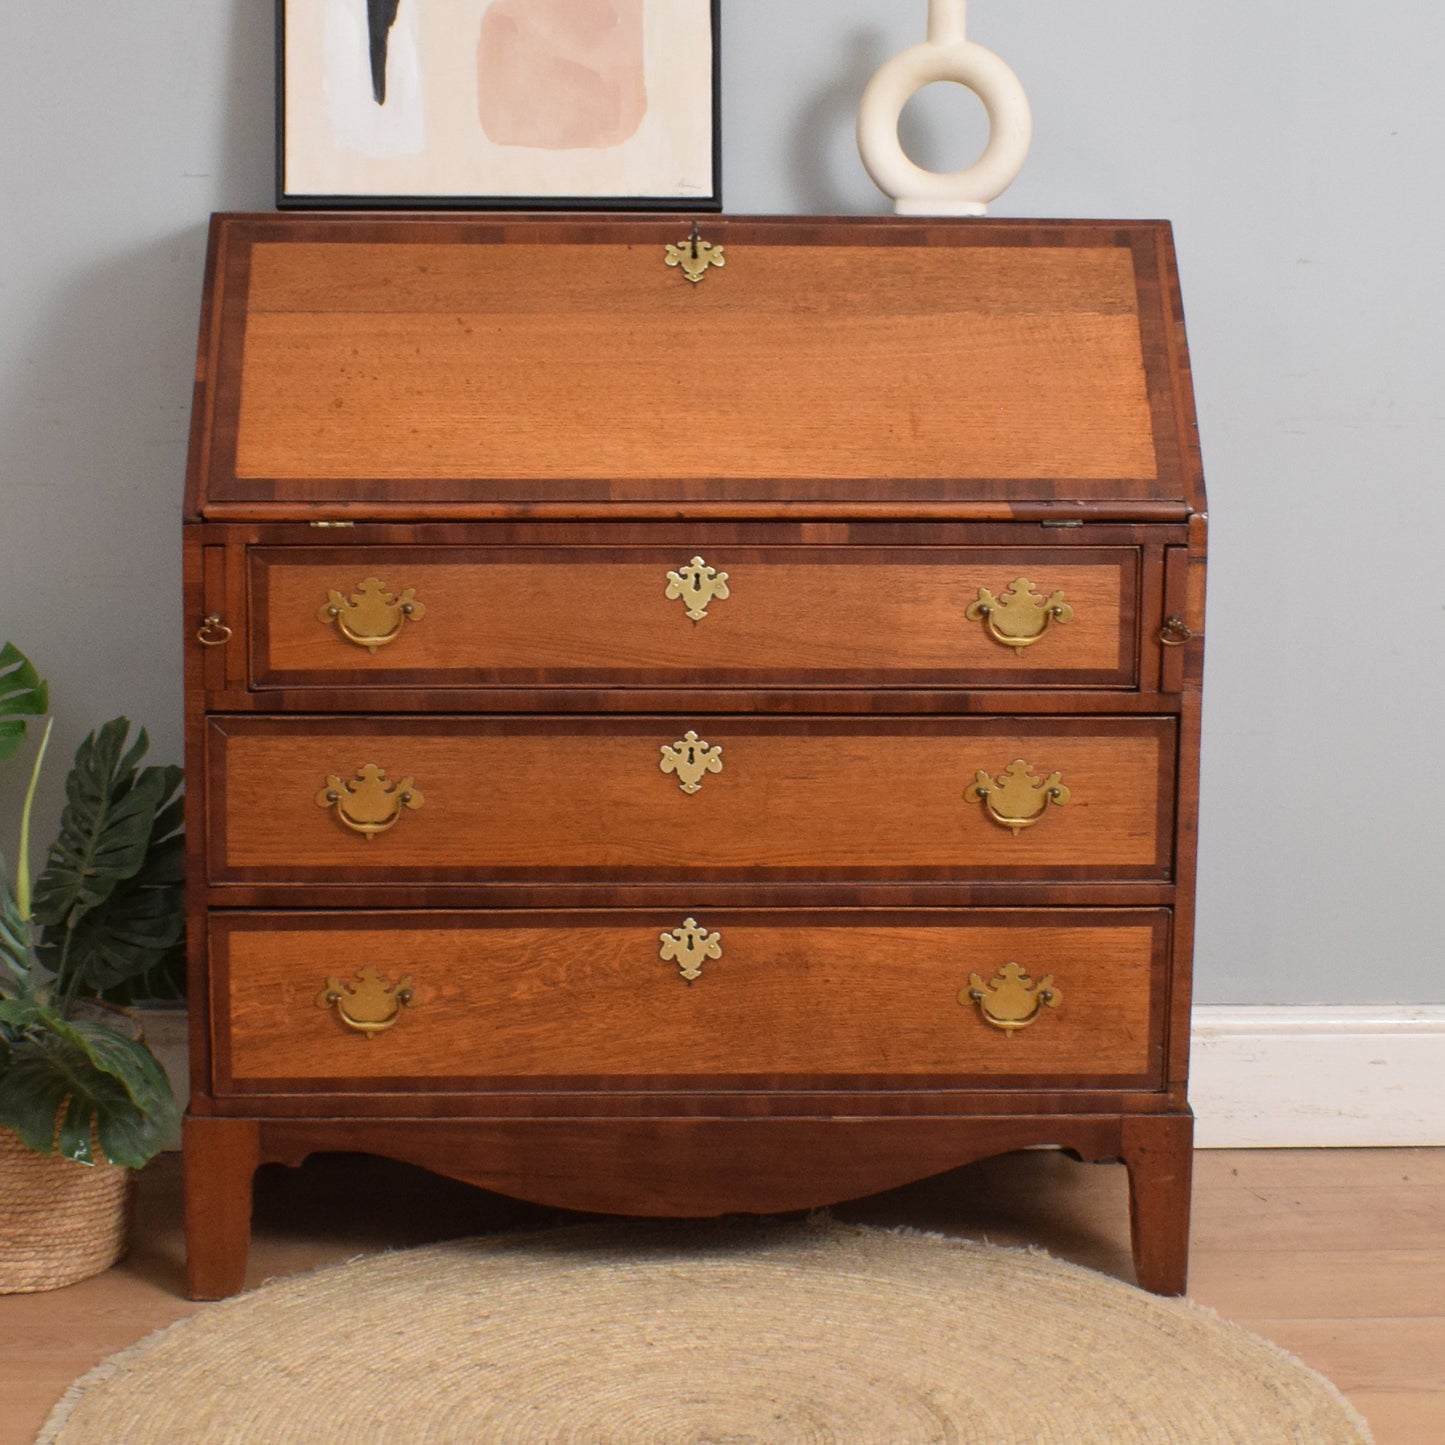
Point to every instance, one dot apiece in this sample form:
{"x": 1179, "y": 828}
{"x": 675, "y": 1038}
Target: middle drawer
{"x": 655, "y": 798}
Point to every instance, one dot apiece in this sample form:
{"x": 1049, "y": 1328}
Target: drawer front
{"x": 302, "y": 799}
{"x": 778, "y": 999}
{"x": 410, "y": 617}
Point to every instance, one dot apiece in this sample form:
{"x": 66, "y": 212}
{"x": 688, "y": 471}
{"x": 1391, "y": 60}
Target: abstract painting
{"x": 518, "y": 103}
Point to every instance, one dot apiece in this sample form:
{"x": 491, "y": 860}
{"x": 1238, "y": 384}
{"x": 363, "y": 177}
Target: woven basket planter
{"x": 60, "y": 1222}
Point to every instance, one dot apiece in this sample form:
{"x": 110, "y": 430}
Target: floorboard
{"x": 1336, "y": 1255}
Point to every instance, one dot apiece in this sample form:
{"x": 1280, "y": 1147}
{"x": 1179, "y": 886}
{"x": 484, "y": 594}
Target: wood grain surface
{"x": 811, "y": 797}
{"x": 522, "y": 362}
{"x": 861, "y": 615}
{"x": 881, "y": 998}
{"x": 551, "y": 362}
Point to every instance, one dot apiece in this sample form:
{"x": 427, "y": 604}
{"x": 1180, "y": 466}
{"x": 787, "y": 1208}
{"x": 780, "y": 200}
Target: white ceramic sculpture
{"x": 946, "y": 55}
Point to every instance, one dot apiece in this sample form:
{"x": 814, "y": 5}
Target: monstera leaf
{"x": 129, "y": 946}
{"x": 72, "y": 1084}
{"x": 22, "y": 696}
{"x": 107, "y": 826}
{"x": 74, "y": 1076}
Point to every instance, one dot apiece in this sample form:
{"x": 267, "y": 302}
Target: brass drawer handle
{"x": 698, "y": 585}
{"x": 371, "y": 617}
{"x": 370, "y": 1005}
{"x": 691, "y": 759}
{"x": 689, "y": 946}
{"x": 1011, "y": 1000}
{"x": 367, "y": 804}
{"x": 1016, "y": 799}
{"x": 1020, "y": 616}
{"x": 212, "y": 631}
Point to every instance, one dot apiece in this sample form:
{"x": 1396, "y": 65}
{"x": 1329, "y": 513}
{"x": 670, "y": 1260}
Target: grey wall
{"x": 1296, "y": 147}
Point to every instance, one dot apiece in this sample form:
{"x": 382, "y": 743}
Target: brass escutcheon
{"x": 1016, "y": 799}
{"x": 372, "y": 617}
{"x": 688, "y": 946}
{"x": 1020, "y": 616}
{"x": 695, "y": 255}
{"x": 212, "y": 631}
{"x": 1011, "y": 1000}
{"x": 691, "y": 759}
{"x": 365, "y": 803}
{"x": 698, "y": 585}
{"x": 370, "y": 1005}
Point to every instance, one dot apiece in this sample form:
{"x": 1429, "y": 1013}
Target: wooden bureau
{"x": 677, "y": 746}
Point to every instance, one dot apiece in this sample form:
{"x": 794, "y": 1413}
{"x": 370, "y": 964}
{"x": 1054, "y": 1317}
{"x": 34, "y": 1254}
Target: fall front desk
{"x": 690, "y": 720}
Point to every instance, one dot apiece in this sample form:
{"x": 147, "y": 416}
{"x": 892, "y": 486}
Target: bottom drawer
{"x": 647, "y": 999}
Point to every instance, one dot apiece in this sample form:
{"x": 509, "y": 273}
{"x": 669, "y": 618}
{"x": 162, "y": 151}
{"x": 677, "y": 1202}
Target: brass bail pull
{"x": 1016, "y": 799}
{"x": 1020, "y": 615}
{"x": 367, "y": 803}
{"x": 372, "y": 616}
{"x": 369, "y": 1005}
{"x": 1011, "y": 1000}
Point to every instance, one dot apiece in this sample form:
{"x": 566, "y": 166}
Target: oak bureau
{"x": 690, "y": 719}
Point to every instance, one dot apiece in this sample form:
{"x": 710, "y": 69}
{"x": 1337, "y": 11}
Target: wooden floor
{"x": 1337, "y": 1255}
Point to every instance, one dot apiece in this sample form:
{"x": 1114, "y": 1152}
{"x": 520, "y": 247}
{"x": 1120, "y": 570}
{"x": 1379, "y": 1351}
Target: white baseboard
{"x": 1318, "y": 1077}
{"x": 1260, "y": 1078}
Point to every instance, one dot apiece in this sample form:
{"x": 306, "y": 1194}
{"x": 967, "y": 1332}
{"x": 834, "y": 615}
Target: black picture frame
{"x": 708, "y": 199}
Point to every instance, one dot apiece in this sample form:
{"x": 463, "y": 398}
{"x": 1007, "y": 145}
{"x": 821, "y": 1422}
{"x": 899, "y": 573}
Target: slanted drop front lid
{"x": 392, "y": 365}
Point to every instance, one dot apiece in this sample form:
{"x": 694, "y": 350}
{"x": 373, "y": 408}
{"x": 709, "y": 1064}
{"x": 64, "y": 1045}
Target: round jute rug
{"x": 640, "y": 1335}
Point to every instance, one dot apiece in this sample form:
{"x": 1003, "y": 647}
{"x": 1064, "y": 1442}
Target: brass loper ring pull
{"x": 370, "y": 1005}
{"x": 1175, "y": 632}
{"x": 212, "y": 631}
{"x": 1011, "y": 1000}
{"x": 1016, "y": 799}
{"x": 367, "y": 804}
{"x": 1020, "y": 616}
{"x": 372, "y": 616}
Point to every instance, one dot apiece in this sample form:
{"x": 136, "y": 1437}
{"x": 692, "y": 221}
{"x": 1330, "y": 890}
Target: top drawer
{"x": 408, "y": 617}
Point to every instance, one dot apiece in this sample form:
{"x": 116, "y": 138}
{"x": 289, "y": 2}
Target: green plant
{"x": 22, "y": 697}
{"x": 105, "y": 911}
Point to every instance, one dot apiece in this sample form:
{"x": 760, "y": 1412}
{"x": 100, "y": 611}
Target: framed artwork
{"x": 498, "y": 103}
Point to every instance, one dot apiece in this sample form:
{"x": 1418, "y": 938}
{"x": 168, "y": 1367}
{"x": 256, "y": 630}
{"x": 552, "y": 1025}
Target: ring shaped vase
{"x": 916, "y": 191}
